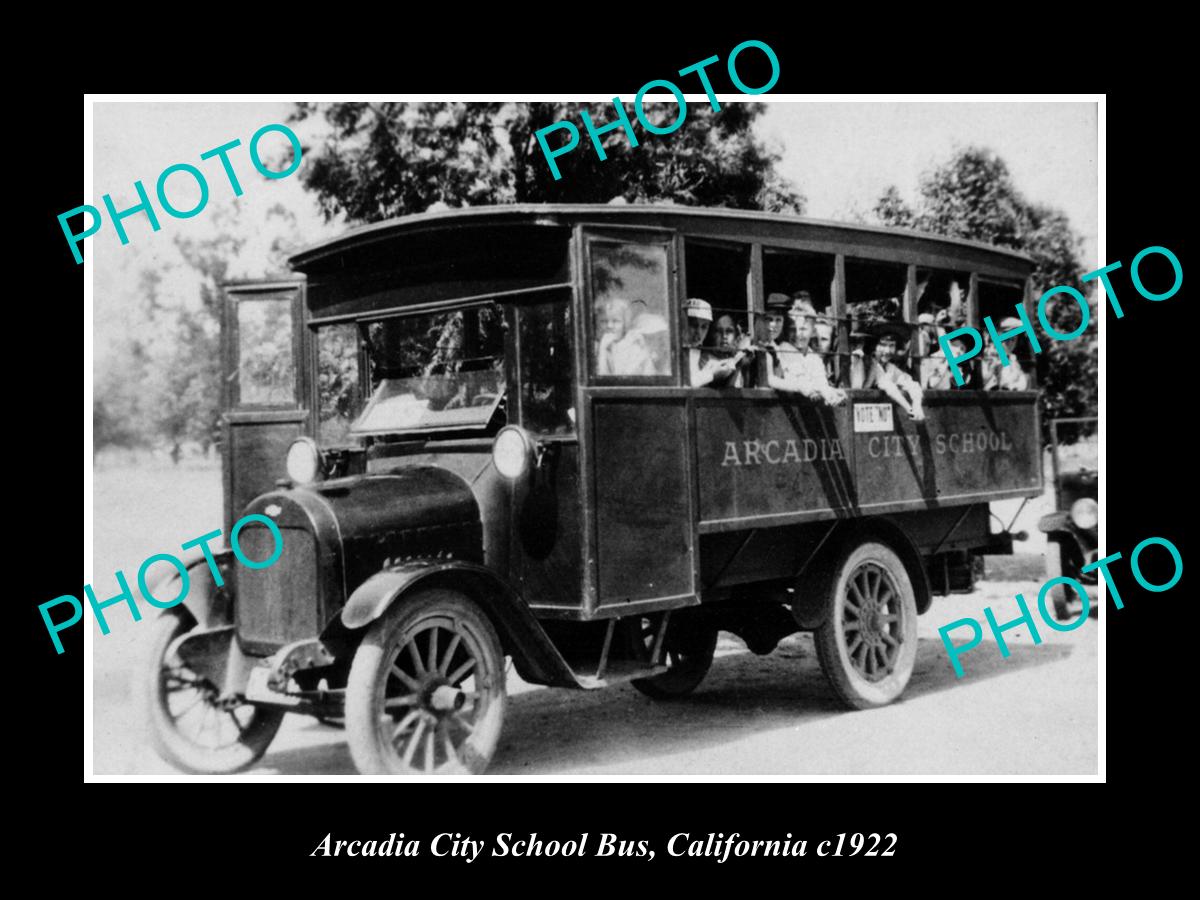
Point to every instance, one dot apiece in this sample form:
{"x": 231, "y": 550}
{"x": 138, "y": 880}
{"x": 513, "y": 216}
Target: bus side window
{"x": 999, "y": 300}
{"x": 807, "y": 277}
{"x": 941, "y": 304}
{"x": 875, "y": 296}
{"x": 630, "y": 295}
{"x": 718, "y": 274}
{"x": 547, "y": 401}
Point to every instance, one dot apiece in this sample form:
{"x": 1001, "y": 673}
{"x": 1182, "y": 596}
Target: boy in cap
{"x": 704, "y": 368}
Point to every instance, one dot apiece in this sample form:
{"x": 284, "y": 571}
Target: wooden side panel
{"x": 961, "y": 450}
{"x": 643, "y": 508}
{"x": 546, "y": 533}
{"x": 260, "y": 452}
{"x": 771, "y": 457}
{"x": 763, "y": 461}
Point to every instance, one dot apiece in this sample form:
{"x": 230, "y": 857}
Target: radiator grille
{"x": 278, "y": 604}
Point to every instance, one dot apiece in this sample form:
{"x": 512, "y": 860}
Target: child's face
{"x": 614, "y": 323}
{"x": 697, "y": 331}
{"x": 824, "y": 337}
{"x": 885, "y": 350}
{"x": 774, "y": 325}
{"x": 803, "y": 327}
{"x": 726, "y": 333}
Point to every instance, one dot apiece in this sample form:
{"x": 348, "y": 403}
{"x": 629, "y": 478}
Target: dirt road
{"x": 1033, "y": 713}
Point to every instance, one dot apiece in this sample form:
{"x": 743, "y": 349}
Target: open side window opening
{"x": 806, "y": 282}
{"x": 875, "y": 304}
{"x": 999, "y": 300}
{"x": 941, "y": 304}
{"x": 716, "y": 349}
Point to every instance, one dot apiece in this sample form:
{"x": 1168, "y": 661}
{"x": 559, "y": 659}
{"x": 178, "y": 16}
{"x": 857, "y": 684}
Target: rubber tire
{"x": 369, "y": 756}
{"x": 700, "y": 644}
{"x": 175, "y": 747}
{"x": 851, "y": 688}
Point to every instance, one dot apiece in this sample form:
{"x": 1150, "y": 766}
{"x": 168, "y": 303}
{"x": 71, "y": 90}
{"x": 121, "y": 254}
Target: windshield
{"x": 435, "y": 370}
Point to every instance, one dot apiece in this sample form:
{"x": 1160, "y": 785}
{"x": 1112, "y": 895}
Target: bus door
{"x": 638, "y": 481}
{"x": 265, "y": 401}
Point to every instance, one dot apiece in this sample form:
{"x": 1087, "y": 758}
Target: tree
{"x": 161, "y": 380}
{"x": 973, "y": 196}
{"x": 378, "y": 160}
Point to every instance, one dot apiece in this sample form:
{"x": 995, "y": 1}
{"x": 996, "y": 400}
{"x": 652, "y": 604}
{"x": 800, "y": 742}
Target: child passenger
{"x": 886, "y": 375}
{"x": 706, "y": 367}
{"x": 800, "y": 370}
{"x": 622, "y": 350}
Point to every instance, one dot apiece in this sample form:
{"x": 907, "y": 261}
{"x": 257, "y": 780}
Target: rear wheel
{"x": 190, "y": 725}
{"x": 688, "y": 650}
{"x": 426, "y": 689}
{"x": 867, "y": 645}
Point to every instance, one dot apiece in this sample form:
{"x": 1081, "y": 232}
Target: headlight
{"x": 511, "y": 452}
{"x": 1085, "y": 513}
{"x": 304, "y": 462}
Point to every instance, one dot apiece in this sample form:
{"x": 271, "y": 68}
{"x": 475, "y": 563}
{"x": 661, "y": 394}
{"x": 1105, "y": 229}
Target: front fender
{"x": 537, "y": 659}
{"x": 211, "y": 605}
{"x": 372, "y": 598}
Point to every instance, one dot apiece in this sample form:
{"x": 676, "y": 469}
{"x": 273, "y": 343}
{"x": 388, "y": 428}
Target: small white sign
{"x": 873, "y": 417}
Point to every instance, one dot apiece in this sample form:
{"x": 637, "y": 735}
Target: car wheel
{"x": 190, "y": 726}
{"x": 688, "y": 651}
{"x": 426, "y": 689}
{"x": 867, "y": 646}
{"x": 1054, "y": 568}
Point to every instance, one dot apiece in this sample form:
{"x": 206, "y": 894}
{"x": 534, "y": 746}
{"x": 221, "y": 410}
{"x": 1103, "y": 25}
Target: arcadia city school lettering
{"x": 777, "y": 452}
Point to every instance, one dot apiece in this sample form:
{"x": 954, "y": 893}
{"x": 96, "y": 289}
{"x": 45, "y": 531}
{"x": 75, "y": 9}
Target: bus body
{"x": 432, "y": 417}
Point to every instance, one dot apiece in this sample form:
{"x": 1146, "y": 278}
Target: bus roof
{"x": 659, "y": 214}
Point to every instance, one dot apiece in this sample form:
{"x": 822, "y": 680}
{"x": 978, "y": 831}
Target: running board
{"x": 618, "y": 673}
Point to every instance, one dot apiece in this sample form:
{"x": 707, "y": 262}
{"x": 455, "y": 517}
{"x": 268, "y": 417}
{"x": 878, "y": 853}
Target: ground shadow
{"x": 554, "y": 731}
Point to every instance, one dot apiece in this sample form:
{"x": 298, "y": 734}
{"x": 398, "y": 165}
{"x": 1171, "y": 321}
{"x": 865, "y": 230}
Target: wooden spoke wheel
{"x": 426, "y": 689}
{"x": 867, "y": 645}
{"x": 190, "y": 725}
{"x": 688, "y": 650}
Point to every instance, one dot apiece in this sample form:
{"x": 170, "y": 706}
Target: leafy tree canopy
{"x": 378, "y": 160}
{"x": 973, "y": 196}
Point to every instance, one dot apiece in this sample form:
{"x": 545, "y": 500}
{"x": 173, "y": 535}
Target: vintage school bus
{"x": 475, "y": 434}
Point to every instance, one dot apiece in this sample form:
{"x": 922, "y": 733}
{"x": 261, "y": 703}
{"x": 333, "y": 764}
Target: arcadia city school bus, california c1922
{"x": 476, "y": 433}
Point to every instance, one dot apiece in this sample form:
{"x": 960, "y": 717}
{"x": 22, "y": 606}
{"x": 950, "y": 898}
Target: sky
{"x": 841, "y": 156}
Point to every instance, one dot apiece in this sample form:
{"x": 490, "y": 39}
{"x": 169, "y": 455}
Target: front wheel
{"x": 867, "y": 645}
{"x": 426, "y": 689}
{"x": 191, "y": 726}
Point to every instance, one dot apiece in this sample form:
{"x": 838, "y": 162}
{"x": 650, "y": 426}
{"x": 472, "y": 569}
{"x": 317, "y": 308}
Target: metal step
{"x": 617, "y": 672}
